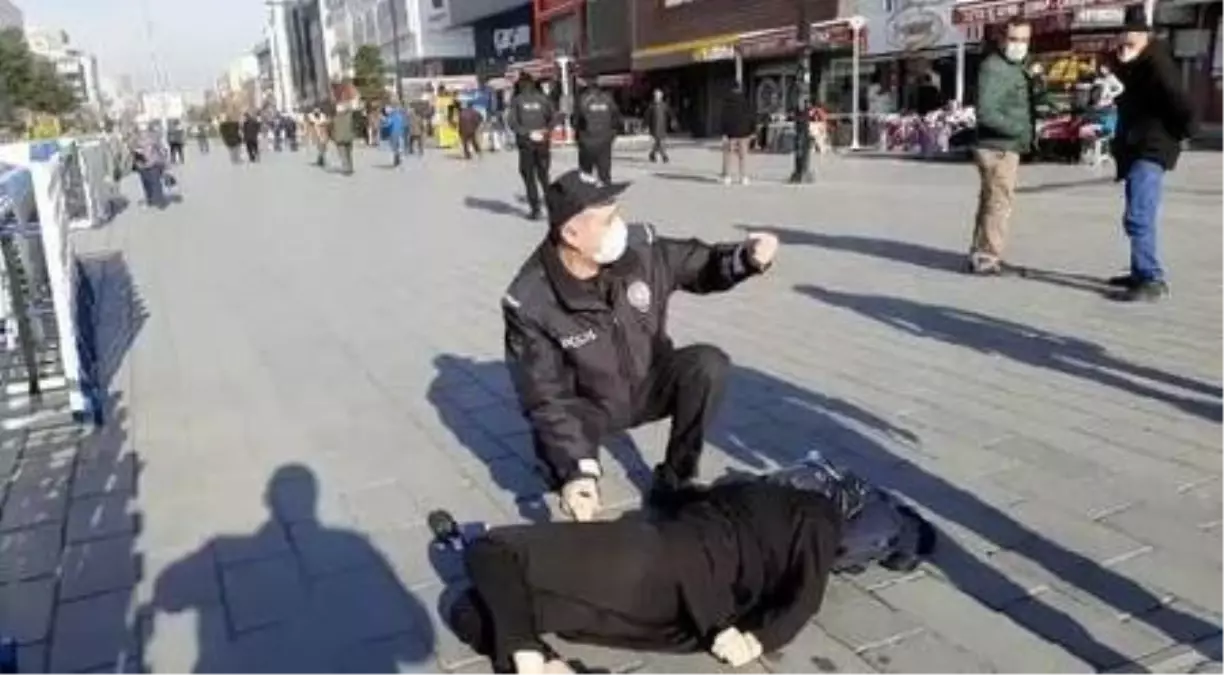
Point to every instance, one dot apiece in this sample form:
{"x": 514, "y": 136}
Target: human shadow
{"x": 1041, "y": 188}
{"x": 296, "y": 595}
{"x": 494, "y": 206}
{"x": 1031, "y": 346}
{"x": 767, "y": 422}
{"x": 907, "y": 252}
{"x": 686, "y": 177}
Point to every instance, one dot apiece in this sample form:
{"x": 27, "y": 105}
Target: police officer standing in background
{"x": 597, "y": 122}
{"x": 531, "y": 117}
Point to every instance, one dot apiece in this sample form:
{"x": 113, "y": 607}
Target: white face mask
{"x": 612, "y": 247}
{"x": 1015, "y": 52}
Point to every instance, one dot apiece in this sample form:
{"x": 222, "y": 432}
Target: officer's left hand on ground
{"x": 735, "y": 648}
{"x": 580, "y": 498}
{"x": 763, "y": 248}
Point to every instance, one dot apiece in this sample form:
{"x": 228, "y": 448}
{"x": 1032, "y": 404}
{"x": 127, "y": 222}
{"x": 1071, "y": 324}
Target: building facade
{"x": 696, "y": 50}
{"x": 307, "y": 54}
{"x": 76, "y": 67}
{"x": 503, "y": 38}
{"x": 11, "y": 16}
{"x": 428, "y": 42}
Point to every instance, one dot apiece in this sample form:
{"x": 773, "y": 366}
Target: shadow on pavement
{"x": 686, "y": 177}
{"x": 758, "y": 428}
{"x": 1030, "y": 346}
{"x": 494, "y": 206}
{"x": 1065, "y": 185}
{"x": 928, "y": 257}
{"x": 296, "y": 595}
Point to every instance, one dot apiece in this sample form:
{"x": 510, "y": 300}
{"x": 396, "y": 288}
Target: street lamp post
{"x": 395, "y": 50}
{"x": 803, "y": 86}
{"x": 856, "y": 30}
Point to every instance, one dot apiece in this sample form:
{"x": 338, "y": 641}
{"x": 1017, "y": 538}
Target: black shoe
{"x": 534, "y": 215}
{"x": 1124, "y": 281}
{"x": 666, "y": 488}
{"x": 1145, "y": 291}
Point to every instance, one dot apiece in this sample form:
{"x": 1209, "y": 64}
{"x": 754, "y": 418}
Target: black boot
{"x": 666, "y": 488}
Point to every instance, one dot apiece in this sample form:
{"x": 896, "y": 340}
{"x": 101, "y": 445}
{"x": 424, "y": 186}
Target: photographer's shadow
{"x": 295, "y": 595}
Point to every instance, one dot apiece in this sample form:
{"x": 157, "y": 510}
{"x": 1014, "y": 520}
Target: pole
{"x": 856, "y": 30}
{"x": 803, "y": 77}
{"x": 159, "y": 77}
{"x": 395, "y": 50}
{"x": 960, "y": 70}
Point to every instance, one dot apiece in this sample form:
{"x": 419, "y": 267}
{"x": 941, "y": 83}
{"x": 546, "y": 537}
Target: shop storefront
{"x": 502, "y": 39}
{"x": 692, "y": 50}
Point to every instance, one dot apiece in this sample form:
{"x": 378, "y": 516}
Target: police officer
{"x": 597, "y": 122}
{"x": 531, "y": 117}
{"x": 585, "y": 338}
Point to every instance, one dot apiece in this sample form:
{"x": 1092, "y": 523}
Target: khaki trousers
{"x": 998, "y": 170}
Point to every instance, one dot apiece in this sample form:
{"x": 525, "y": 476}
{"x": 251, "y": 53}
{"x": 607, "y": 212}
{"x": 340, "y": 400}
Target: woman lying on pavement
{"x": 736, "y": 569}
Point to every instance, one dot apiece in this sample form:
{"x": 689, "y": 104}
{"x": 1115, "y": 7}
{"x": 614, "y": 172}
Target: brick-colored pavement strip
{"x": 302, "y": 365}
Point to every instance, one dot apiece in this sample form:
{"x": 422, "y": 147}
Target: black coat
{"x": 577, "y": 353}
{"x": 231, "y": 133}
{"x": 737, "y": 118}
{"x": 751, "y": 555}
{"x": 1154, "y": 112}
{"x": 658, "y": 118}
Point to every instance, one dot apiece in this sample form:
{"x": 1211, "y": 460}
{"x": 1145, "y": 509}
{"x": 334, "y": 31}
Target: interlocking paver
{"x": 100, "y": 565}
{"x": 25, "y": 610}
{"x": 1022, "y": 414}
{"x": 26, "y": 554}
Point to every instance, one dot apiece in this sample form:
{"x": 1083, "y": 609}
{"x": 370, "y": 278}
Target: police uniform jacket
{"x": 579, "y": 351}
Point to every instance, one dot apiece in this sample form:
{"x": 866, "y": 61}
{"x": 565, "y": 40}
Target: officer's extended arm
{"x": 566, "y": 428}
{"x": 698, "y": 267}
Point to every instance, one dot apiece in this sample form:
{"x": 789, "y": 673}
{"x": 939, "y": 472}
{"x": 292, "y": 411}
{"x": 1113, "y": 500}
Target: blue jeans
{"x": 397, "y": 146}
{"x": 151, "y": 181}
{"x": 1144, "y": 189}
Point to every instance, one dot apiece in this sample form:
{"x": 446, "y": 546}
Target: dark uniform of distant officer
{"x": 597, "y": 122}
{"x": 531, "y": 117}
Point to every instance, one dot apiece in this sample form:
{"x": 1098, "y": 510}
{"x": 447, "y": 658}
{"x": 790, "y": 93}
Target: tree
{"x": 369, "y": 73}
{"x": 29, "y": 81}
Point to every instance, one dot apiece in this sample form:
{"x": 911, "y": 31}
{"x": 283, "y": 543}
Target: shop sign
{"x": 1000, "y": 12}
{"x": 722, "y": 52}
{"x": 1099, "y": 17}
{"x": 670, "y": 4}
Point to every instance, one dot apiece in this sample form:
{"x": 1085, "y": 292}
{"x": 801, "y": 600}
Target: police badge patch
{"x": 639, "y": 295}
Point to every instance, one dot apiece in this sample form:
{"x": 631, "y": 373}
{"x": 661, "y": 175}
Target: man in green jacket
{"x": 344, "y": 131}
{"x": 1005, "y": 130}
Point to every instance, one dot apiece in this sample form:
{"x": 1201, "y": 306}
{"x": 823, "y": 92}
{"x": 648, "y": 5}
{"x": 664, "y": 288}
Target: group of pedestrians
{"x": 1154, "y": 118}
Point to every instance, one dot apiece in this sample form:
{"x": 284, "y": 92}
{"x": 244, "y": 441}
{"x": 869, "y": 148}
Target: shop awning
{"x": 537, "y": 68}
{"x": 975, "y": 12}
{"x": 784, "y": 41}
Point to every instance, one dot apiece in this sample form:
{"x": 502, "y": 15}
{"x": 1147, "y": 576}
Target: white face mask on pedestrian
{"x": 612, "y": 245}
{"x": 1015, "y": 51}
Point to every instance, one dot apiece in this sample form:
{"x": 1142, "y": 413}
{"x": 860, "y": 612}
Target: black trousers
{"x": 252, "y": 148}
{"x": 469, "y": 144}
{"x": 688, "y": 387}
{"x": 596, "y": 158}
{"x": 658, "y": 147}
{"x": 419, "y": 143}
{"x": 496, "y": 617}
{"x": 176, "y": 153}
{"x": 535, "y": 160}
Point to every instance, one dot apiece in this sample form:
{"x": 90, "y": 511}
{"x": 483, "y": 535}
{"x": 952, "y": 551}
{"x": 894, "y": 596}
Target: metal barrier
{"x": 47, "y": 307}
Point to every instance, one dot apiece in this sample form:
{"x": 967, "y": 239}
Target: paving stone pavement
{"x": 302, "y": 365}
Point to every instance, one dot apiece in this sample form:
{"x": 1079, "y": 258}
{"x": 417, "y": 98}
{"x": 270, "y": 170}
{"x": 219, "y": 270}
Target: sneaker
{"x": 743, "y": 180}
{"x": 983, "y": 266}
{"x": 726, "y": 180}
{"x": 1123, "y": 281}
{"x": 1146, "y": 291}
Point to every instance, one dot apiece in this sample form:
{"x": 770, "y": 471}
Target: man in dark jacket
{"x": 737, "y": 570}
{"x": 658, "y": 120}
{"x": 737, "y": 130}
{"x": 531, "y": 117}
{"x": 586, "y": 338}
{"x": 1154, "y": 117}
{"x": 231, "y": 136}
{"x": 469, "y": 121}
{"x": 250, "y": 136}
{"x": 597, "y": 122}
{"x": 1005, "y": 131}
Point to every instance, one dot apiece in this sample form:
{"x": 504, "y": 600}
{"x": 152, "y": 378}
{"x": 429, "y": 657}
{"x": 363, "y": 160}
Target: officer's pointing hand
{"x": 764, "y": 246}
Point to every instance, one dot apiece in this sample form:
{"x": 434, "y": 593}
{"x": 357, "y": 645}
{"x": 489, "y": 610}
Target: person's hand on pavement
{"x": 754, "y": 646}
{"x": 763, "y": 247}
{"x": 733, "y": 648}
{"x": 528, "y": 661}
{"x": 580, "y": 498}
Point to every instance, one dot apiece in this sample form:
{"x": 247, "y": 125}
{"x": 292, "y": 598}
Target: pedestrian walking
{"x": 469, "y": 123}
{"x": 659, "y": 120}
{"x": 231, "y": 137}
{"x": 1004, "y": 131}
{"x": 531, "y": 117}
{"x": 250, "y": 136}
{"x": 737, "y": 130}
{"x": 418, "y": 128}
{"x": 202, "y": 141}
{"x": 586, "y": 337}
{"x": 149, "y": 162}
{"x": 319, "y": 134}
{"x": 291, "y": 131}
{"x": 597, "y": 122}
{"x": 393, "y": 129}
{"x": 1154, "y": 117}
{"x": 176, "y": 137}
{"x": 344, "y": 133}
{"x": 276, "y": 129}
